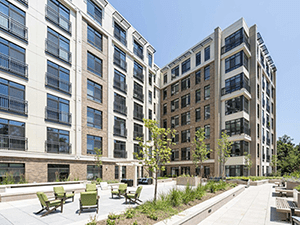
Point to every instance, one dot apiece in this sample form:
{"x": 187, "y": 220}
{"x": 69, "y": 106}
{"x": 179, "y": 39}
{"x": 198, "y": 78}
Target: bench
{"x": 295, "y": 220}
{"x": 283, "y": 191}
{"x": 284, "y": 205}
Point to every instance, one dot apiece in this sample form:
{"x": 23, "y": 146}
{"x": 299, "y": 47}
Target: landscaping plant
{"x": 224, "y": 150}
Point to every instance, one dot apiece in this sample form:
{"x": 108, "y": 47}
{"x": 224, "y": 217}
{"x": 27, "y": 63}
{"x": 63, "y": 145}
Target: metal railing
{"x": 138, "y": 95}
{"x": 13, "y": 65}
{"x": 225, "y": 91}
{"x": 13, "y": 142}
{"x": 122, "y": 86}
{"x": 12, "y": 104}
{"x": 120, "y": 38}
{"x": 24, "y": 2}
{"x": 57, "y": 83}
{"x": 58, "y": 19}
{"x": 13, "y": 26}
{"x": 120, "y": 154}
{"x": 138, "y": 115}
{"x": 239, "y": 41}
{"x": 118, "y": 131}
{"x": 137, "y": 134}
{"x": 138, "y": 74}
{"x": 138, "y": 53}
{"x": 56, "y": 50}
{"x": 120, "y": 108}
{"x": 57, "y": 147}
{"x": 56, "y": 115}
{"x": 120, "y": 62}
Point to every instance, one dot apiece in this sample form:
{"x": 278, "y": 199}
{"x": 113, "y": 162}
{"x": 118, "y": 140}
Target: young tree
{"x": 248, "y": 162}
{"x": 224, "y": 150}
{"x": 200, "y": 152}
{"x": 156, "y": 153}
{"x": 98, "y": 156}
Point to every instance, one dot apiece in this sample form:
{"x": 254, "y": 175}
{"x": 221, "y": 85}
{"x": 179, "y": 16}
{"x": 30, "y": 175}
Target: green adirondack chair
{"x": 50, "y": 206}
{"x": 91, "y": 188}
{"x": 60, "y": 193}
{"x": 121, "y": 190}
{"x": 134, "y": 196}
{"x": 89, "y": 200}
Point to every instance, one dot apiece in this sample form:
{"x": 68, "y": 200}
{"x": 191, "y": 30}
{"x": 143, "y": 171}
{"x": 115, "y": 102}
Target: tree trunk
{"x": 155, "y": 188}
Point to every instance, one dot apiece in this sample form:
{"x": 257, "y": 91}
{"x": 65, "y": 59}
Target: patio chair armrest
{"x": 131, "y": 192}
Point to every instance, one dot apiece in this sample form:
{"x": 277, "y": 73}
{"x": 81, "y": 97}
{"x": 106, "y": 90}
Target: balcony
{"x": 57, "y": 83}
{"x": 138, "y": 95}
{"x": 120, "y": 154}
{"x": 12, "y": 65}
{"x": 57, "y": 147}
{"x": 120, "y": 108}
{"x": 121, "y": 86}
{"x": 13, "y": 142}
{"x": 12, "y": 104}
{"x": 57, "y": 51}
{"x": 230, "y": 46}
{"x": 138, "y": 74}
{"x": 119, "y": 131}
{"x": 138, "y": 115}
{"x": 120, "y": 62}
{"x": 137, "y": 134}
{"x": 225, "y": 91}
{"x": 58, "y": 19}
{"x": 14, "y": 27}
{"x": 120, "y": 38}
{"x": 138, "y": 53}
{"x": 56, "y": 115}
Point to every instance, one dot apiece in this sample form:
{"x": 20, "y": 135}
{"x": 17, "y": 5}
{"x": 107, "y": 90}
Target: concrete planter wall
{"x": 258, "y": 182}
{"x": 296, "y": 197}
{"x": 291, "y": 184}
{"x": 193, "y": 181}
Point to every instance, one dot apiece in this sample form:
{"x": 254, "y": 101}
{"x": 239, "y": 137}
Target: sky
{"x": 173, "y": 26}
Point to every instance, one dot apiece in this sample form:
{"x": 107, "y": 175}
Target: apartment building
{"x": 226, "y": 82}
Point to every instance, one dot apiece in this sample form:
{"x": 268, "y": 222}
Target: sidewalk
{"x": 255, "y": 205}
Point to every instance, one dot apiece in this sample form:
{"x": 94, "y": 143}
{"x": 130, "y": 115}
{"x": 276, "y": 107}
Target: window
{"x": 120, "y": 59}
{"x": 120, "y": 127}
{"x": 165, "y": 109}
{"x": 138, "y": 92}
{"x": 198, "y": 114}
{"x": 150, "y": 59}
{"x": 138, "y": 112}
{"x": 206, "y": 112}
{"x": 12, "y": 58}
{"x": 185, "y": 100}
{"x": 207, "y": 131}
{"x": 58, "y": 141}
{"x": 57, "y": 109}
{"x": 185, "y": 154}
{"x": 198, "y": 58}
{"x": 237, "y": 126}
{"x": 185, "y": 66}
{"x": 58, "y": 171}
{"x": 258, "y": 129}
{"x": 138, "y": 49}
{"x": 175, "y": 88}
{"x": 117, "y": 172}
{"x": 120, "y": 34}
{"x": 154, "y": 108}
{"x": 138, "y": 150}
{"x": 58, "y": 77}
{"x": 16, "y": 169}
{"x": 92, "y": 143}
{"x": 207, "y": 73}
{"x": 258, "y": 110}
{"x": 209, "y": 150}
{"x": 174, "y": 105}
{"x": 206, "y": 92}
{"x": 198, "y": 77}
{"x": 185, "y": 136}
{"x": 165, "y": 123}
{"x": 94, "y": 172}
{"x": 239, "y": 148}
{"x": 94, "y": 37}
{"x": 175, "y": 155}
{"x": 165, "y": 78}
{"x": 237, "y": 104}
{"x": 150, "y": 114}
{"x": 236, "y": 83}
{"x": 174, "y": 121}
{"x": 175, "y": 72}
{"x": 94, "y": 118}
{"x": 150, "y": 78}
{"x": 13, "y": 20}
{"x": 94, "y": 91}
{"x": 120, "y": 104}
{"x": 94, "y": 11}
{"x": 154, "y": 92}
{"x": 198, "y": 95}
{"x": 123, "y": 172}
{"x": 235, "y": 61}
{"x": 94, "y": 64}
{"x": 207, "y": 53}
{"x": 235, "y": 40}
{"x": 120, "y": 149}
{"x": 185, "y": 83}
{"x": 12, "y": 97}
{"x": 165, "y": 93}
{"x": 150, "y": 97}
{"x": 138, "y": 71}
{"x": 12, "y": 135}
{"x": 138, "y": 131}
{"x": 120, "y": 81}
{"x": 185, "y": 118}
{"x": 58, "y": 46}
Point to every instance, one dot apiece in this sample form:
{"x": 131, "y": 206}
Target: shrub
{"x": 297, "y": 188}
{"x": 113, "y": 216}
{"x": 129, "y": 213}
{"x": 153, "y": 216}
{"x": 200, "y": 191}
{"x": 175, "y": 197}
{"x": 135, "y": 223}
{"x": 110, "y": 222}
{"x": 99, "y": 180}
{"x": 8, "y": 178}
{"x": 93, "y": 220}
{"x": 188, "y": 194}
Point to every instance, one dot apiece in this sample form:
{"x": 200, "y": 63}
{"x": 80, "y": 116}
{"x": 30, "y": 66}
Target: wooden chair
{"x": 134, "y": 196}
{"x": 121, "y": 190}
{"x": 89, "y": 200}
{"x": 50, "y": 206}
{"x": 60, "y": 193}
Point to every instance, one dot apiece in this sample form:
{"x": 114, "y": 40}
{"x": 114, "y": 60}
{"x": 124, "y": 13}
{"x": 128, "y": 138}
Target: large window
{"x": 138, "y": 92}
{"x": 94, "y": 64}
{"x": 120, "y": 34}
{"x": 94, "y": 118}
{"x": 94, "y": 172}
{"x": 198, "y": 95}
{"x": 175, "y": 72}
{"x": 94, "y": 37}
{"x": 58, "y": 14}
{"x": 120, "y": 104}
{"x": 58, "y": 77}
{"x": 175, "y": 88}
{"x": 236, "y": 105}
{"x": 186, "y": 66}
{"x": 206, "y": 92}
{"x": 174, "y": 105}
{"x": 174, "y": 121}
{"x": 206, "y": 112}
{"x": 198, "y": 58}
{"x": 58, "y": 141}
{"x": 12, "y": 135}
{"x": 16, "y": 169}
{"x": 12, "y": 97}
{"x": 94, "y": 11}
{"x": 120, "y": 59}
{"x": 185, "y": 136}
{"x": 237, "y": 126}
{"x": 198, "y": 77}
{"x": 120, "y": 81}
{"x": 120, "y": 149}
{"x": 94, "y": 91}
{"x": 239, "y": 148}
{"x": 120, "y": 127}
{"x": 138, "y": 71}
{"x": 207, "y": 53}
{"x": 93, "y": 142}
{"x": 235, "y": 61}
{"x": 175, "y": 155}
{"x": 185, "y": 83}
{"x": 207, "y": 73}
{"x": 185, "y": 118}
{"x": 58, "y": 172}
{"x": 57, "y": 109}
{"x": 138, "y": 112}
{"x": 185, "y": 154}
{"x": 236, "y": 83}
{"x": 165, "y": 78}
{"x": 138, "y": 49}
{"x": 137, "y": 131}
{"x": 138, "y": 150}
{"x": 185, "y": 100}
{"x": 175, "y": 139}
{"x": 150, "y": 97}
{"x": 197, "y": 114}
{"x": 235, "y": 40}
{"x": 150, "y": 59}
{"x": 117, "y": 172}
{"x": 207, "y": 131}
{"x": 165, "y": 108}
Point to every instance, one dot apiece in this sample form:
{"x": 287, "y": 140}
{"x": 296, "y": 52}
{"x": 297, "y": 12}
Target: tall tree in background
{"x": 224, "y": 150}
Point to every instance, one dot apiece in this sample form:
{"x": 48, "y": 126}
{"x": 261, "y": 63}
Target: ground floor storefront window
{"x": 236, "y": 170}
{"x": 58, "y": 172}
{"x": 94, "y": 172}
{"x": 12, "y": 170}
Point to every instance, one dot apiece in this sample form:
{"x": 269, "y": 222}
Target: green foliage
{"x": 224, "y": 150}
{"x": 175, "y": 197}
{"x": 188, "y": 195}
{"x": 297, "y": 188}
{"x": 93, "y": 220}
{"x": 135, "y": 223}
{"x": 153, "y": 216}
{"x": 200, "y": 191}
{"x": 113, "y": 216}
{"x": 253, "y": 178}
{"x": 98, "y": 180}
{"x": 110, "y": 222}
{"x": 248, "y": 162}
{"x": 98, "y": 156}
{"x": 8, "y": 178}
{"x": 76, "y": 178}
{"x": 129, "y": 213}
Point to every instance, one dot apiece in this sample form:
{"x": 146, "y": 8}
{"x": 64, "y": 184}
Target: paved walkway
{"x": 255, "y": 205}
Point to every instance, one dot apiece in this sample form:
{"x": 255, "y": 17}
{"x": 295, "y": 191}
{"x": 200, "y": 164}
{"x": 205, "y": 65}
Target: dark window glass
{"x": 198, "y": 95}
{"x": 94, "y": 11}
{"x": 198, "y": 77}
{"x": 138, "y": 49}
{"x": 206, "y": 92}
{"x": 58, "y": 109}
{"x": 206, "y": 112}
{"x": 185, "y": 83}
{"x": 207, "y": 73}
{"x": 198, "y": 58}
{"x": 235, "y": 61}
{"x": 185, "y": 100}
{"x": 59, "y": 14}
{"x": 185, "y": 118}
{"x": 94, "y": 64}
{"x": 120, "y": 34}
{"x": 94, "y": 118}
{"x": 185, "y": 136}
{"x": 175, "y": 72}
{"x": 186, "y": 66}
{"x": 94, "y": 37}
{"x": 58, "y": 77}
{"x": 92, "y": 143}
{"x": 207, "y": 53}
{"x": 175, "y": 88}
{"x": 120, "y": 81}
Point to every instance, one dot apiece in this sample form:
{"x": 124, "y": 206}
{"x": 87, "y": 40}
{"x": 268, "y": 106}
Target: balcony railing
{"x": 56, "y": 115}
{"x": 56, "y": 50}
{"x": 138, "y": 95}
{"x": 138, "y": 53}
{"x": 120, "y": 154}
{"x": 12, "y": 65}
{"x": 12, "y": 104}
{"x": 57, "y": 147}
{"x": 120, "y": 108}
{"x": 225, "y": 91}
{"x": 118, "y": 131}
{"x": 13, "y": 143}
{"x": 120, "y": 85}
{"x": 138, "y": 74}
{"x": 230, "y": 46}
{"x": 58, "y": 19}
{"x": 120, "y": 62}
{"x": 120, "y": 38}
{"x": 137, "y": 135}
{"x": 12, "y": 26}
{"x": 57, "y": 83}
{"x": 138, "y": 115}
{"x": 25, "y": 2}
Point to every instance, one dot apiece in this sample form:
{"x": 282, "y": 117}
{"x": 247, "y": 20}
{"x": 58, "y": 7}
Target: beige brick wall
{"x": 108, "y": 171}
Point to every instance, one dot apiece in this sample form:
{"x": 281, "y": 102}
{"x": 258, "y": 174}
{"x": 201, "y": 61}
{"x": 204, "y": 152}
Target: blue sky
{"x": 173, "y": 26}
